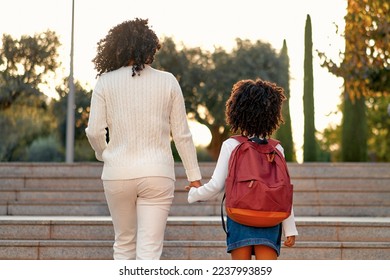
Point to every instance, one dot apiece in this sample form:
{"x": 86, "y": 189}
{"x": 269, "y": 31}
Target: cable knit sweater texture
{"x": 142, "y": 113}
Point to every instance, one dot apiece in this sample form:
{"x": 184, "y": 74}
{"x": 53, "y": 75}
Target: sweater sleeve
{"x": 181, "y": 133}
{"x": 288, "y": 225}
{"x": 216, "y": 184}
{"x": 97, "y": 123}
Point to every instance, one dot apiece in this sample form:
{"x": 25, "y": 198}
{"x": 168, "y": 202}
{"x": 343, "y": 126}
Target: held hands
{"x": 290, "y": 241}
{"x": 193, "y": 184}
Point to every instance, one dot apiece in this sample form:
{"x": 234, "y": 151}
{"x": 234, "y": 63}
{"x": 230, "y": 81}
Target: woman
{"x": 141, "y": 107}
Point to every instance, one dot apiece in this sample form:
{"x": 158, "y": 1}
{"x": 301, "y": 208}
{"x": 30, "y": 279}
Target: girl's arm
{"x": 216, "y": 184}
{"x": 288, "y": 225}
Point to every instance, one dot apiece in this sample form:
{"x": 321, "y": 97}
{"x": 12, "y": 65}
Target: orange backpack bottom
{"x": 255, "y": 218}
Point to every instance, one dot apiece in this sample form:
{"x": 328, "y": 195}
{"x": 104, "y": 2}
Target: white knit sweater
{"x": 141, "y": 113}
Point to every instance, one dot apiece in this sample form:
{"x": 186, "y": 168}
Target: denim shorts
{"x": 239, "y": 235}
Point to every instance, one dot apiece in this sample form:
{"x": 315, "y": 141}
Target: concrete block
{"x": 3, "y": 209}
{"x": 80, "y": 250}
{"x": 58, "y": 183}
{"x": 365, "y": 233}
{"x": 353, "y": 184}
{"x": 19, "y": 250}
{"x": 353, "y": 211}
{"x": 58, "y": 209}
{"x": 195, "y": 232}
{"x": 28, "y": 231}
{"x": 7, "y": 195}
{"x": 195, "y": 250}
{"x": 306, "y": 210}
{"x": 63, "y": 196}
{"x": 171, "y": 251}
{"x": 315, "y": 232}
{"x": 339, "y": 170}
{"x": 354, "y": 198}
{"x": 193, "y": 210}
{"x": 208, "y": 252}
{"x": 80, "y": 231}
{"x": 312, "y": 251}
{"x": 366, "y": 251}
{"x": 11, "y": 183}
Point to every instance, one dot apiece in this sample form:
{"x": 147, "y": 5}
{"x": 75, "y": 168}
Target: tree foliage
{"x": 378, "y": 118}
{"x": 24, "y": 110}
{"x": 20, "y": 126}
{"x": 25, "y": 64}
{"x": 366, "y": 60}
{"x": 365, "y": 69}
{"x": 31, "y": 121}
{"x": 207, "y": 78}
{"x": 33, "y": 126}
{"x": 83, "y": 151}
{"x": 378, "y": 135}
{"x": 309, "y": 145}
{"x": 284, "y": 133}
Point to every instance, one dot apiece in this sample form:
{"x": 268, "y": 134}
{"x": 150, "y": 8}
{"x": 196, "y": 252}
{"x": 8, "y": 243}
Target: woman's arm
{"x": 97, "y": 123}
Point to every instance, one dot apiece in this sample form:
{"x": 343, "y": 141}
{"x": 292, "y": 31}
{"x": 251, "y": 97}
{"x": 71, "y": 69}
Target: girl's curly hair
{"x": 255, "y": 108}
{"x": 130, "y": 42}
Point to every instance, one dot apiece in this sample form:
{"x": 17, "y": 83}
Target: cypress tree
{"x": 284, "y": 133}
{"x": 309, "y": 145}
{"x": 354, "y": 130}
{"x": 354, "y": 123}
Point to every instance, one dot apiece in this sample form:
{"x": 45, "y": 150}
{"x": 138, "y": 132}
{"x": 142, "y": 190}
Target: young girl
{"x": 253, "y": 109}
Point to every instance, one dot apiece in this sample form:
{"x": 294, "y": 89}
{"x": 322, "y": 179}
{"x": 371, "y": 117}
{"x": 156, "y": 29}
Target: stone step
{"x": 328, "y": 238}
{"x": 329, "y": 229}
{"x": 54, "y": 208}
{"x": 212, "y": 208}
{"x": 301, "y": 197}
{"x": 188, "y": 250}
{"x": 320, "y": 189}
{"x": 25, "y": 170}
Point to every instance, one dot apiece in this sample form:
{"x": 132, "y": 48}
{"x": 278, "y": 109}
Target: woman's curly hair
{"x": 255, "y": 108}
{"x": 130, "y": 42}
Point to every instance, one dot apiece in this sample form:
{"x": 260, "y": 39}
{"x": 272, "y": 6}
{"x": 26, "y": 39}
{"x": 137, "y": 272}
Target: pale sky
{"x": 204, "y": 23}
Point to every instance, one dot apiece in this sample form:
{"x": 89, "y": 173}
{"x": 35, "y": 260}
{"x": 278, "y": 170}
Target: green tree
{"x": 207, "y": 78}
{"x": 189, "y": 65}
{"x": 45, "y": 150}
{"x": 330, "y": 142}
{"x": 284, "y": 133}
{"x": 83, "y": 151}
{"x": 365, "y": 69}
{"x": 25, "y": 65}
{"x": 309, "y": 146}
{"x": 21, "y": 125}
{"x": 248, "y": 60}
{"x": 354, "y": 129}
{"x": 378, "y": 120}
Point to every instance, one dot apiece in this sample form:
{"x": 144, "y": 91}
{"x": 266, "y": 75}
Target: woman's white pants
{"x": 139, "y": 209}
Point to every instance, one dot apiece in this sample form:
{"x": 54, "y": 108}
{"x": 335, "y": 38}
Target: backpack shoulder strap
{"x": 222, "y": 215}
{"x": 273, "y": 142}
{"x": 242, "y": 139}
{"x": 239, "y": 138}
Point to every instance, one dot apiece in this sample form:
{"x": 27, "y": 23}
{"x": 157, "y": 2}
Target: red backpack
{"x": 258, "y": 189}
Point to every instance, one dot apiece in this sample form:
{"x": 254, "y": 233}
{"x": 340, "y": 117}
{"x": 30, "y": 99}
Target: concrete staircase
{"x": 58, "y": 211}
